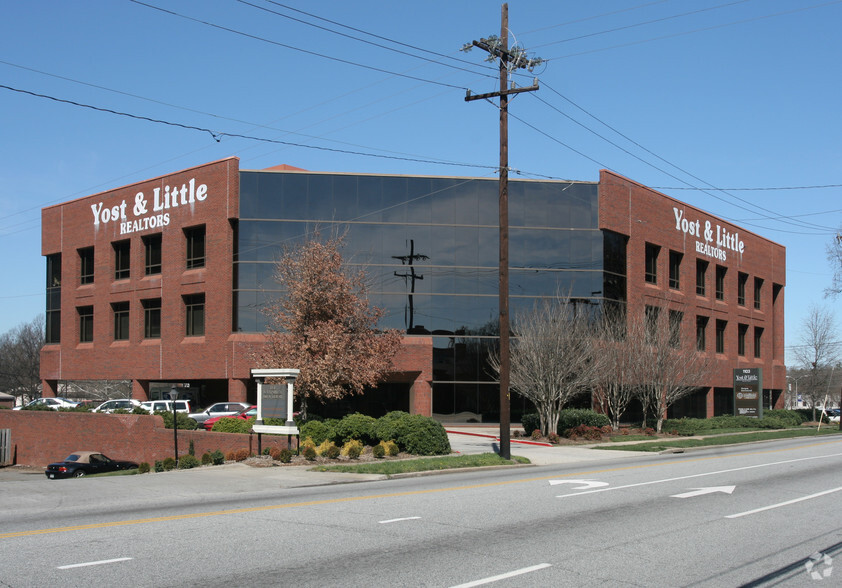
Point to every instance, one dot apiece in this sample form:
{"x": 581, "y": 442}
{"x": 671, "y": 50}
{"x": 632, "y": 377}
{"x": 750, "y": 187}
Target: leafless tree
{"x": 834, "y": 256}
{"x": 95, "y": 390}
{"x": 817, "y": 352}
{"x": 619, "y": 351}
{"x": 551, "y": 356}
{"x": 20, "y": 359}
{"x": 669, "y": 367}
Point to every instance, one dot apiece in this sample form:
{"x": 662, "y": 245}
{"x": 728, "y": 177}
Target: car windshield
{"x": 72, "y": 457}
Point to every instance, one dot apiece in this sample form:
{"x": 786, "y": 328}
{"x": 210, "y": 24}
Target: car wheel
{"x": 78, "y": 473}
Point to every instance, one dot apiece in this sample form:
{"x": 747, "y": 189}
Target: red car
{"x": 244, "y": 414}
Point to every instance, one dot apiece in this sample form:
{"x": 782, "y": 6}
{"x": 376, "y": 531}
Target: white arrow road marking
{"x": 700, "y": 491}
{"x": 93, "y": 563}
{"x": 584, "y": 484}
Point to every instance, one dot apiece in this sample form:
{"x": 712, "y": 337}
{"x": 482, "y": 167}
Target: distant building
{"x": 162, "y": 282}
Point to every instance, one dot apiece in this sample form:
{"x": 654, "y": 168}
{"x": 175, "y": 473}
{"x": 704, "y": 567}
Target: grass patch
{"x": 622, "y": 438}
{"x": 723, "y": 440}
{"x": 425, "y": 464}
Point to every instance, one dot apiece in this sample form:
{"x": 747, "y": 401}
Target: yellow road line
{"x": 377, "y": 496}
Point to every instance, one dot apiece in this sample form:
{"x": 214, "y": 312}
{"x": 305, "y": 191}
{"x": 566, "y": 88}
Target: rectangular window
{"x": 122, "y": 260}
{"x": 701, "y": 271}
{"x": 86, "y": 265}
{"x": 758, "y": 287}
{"x": 152, "y": 318}
{"x": 720, "y": 335}
{"x": 675, "y": 269}
{"x": 152, "y": 244}
{"x": 676, "y": 318}
{"x": 121, "y": 320}
{"x": 742, "y": 279}
{"x": 652, "y": 313}
{"x": 52, "y": 333}
{"x": 701, "y": 330}
{"x": 720, "y": 282}
{"x": 742, "y": 330}
{"x": 195, "y": 237}
{"x": 194, "y": 305}
{"x": 758, "y": 340}
{"x": 86, "y": 324}
{"x": 652, "y": 252}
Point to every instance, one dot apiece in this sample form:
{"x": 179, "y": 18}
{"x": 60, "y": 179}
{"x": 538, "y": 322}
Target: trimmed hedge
{"x": 569, "y": 418}
{"x": 356, "y": 426}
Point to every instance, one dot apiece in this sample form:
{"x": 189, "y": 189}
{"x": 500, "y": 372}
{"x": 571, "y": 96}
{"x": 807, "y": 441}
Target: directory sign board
{"x": 748, "y": 392}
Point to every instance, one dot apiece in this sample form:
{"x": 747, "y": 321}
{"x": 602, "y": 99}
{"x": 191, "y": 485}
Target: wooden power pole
{"x": 499, "y": 49}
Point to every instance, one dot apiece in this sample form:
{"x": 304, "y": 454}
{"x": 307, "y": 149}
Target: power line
{"x": 293, "y": 48}
{"x": 414, "y": 56}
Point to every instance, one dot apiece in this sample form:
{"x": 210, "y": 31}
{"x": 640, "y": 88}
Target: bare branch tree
{"x": 20, "y": 359}
{"x": 619, "y": 353}
{"x": 817, "y": 353}
{"x": 551, "y": 357}
{"x": 834, "y": 256}
{"x": 324, "y": 325}
{"x": 669, "y": 368}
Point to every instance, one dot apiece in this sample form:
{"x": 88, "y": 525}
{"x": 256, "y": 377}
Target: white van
{"x": 166, "y": 405}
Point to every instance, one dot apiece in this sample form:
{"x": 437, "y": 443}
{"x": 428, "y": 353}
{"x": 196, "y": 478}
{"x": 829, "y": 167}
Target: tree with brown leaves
{"x": 324, "y": 325}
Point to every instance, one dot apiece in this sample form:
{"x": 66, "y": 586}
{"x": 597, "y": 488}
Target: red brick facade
{"x": 207, "y": 196}
{"x": 648, "y": 217}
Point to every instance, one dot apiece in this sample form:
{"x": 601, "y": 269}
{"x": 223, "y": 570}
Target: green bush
{"x": 309, "y": 452}
{"x": 573, "y": 417}
{"x": 378, "y": 451}
{"x": 206, "y": 458}
{"x": 226, "y": 425}
{"x": 285, "y": 456}
{"x": 318, "y": 431}
{"x": 356, "y": 426}
{"x": 390, "y": 448}
{"x": 684, "y": 427}
{"x": 168, "y": 464}
{"x": 388, "y": 427}
{"x": 184, "y": 422}
{"x": 530, "y": 422}
{"x": 217, "y": 457}
{"x": 792, "y": 418}
{"x": 143, "y": 467}
{"x": 422, "y": 435}
{"x": 187, "y": 462}
{"x": 159, "y": 466}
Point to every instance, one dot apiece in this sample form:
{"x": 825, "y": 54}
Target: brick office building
{"x": 162, "y": 282}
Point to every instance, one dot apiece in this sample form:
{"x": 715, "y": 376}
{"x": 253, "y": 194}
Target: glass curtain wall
{"x": 430, "y": 248}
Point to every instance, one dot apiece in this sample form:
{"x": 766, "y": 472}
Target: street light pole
{"x": 173, "y": 396}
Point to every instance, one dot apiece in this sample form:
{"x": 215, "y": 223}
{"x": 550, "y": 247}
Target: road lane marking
{"x": 505, "y": 576}
{"x": 583, "y": 484}
{"x": 34, "y": 532}
{"x": 702, "y": 474}
{"x": 386, "y": 522}
{"x": 93, "y": 563}
{"x": 780, "y": 504}
{"x": 701, "y": 491}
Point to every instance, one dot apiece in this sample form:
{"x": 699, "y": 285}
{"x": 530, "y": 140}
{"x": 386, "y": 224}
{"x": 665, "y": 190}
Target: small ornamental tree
{"x": 324, "y": 325}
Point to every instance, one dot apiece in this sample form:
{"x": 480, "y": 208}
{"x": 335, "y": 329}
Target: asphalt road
{"x": 747, "y": 515}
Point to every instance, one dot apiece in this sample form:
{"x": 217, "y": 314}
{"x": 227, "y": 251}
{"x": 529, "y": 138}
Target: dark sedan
{"x": 84, "y": 463}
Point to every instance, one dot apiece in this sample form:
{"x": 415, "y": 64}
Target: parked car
{"x": 83, "y": 463}
{"x": 112, "y": 405}
{"x": 54, "y": 403}
{"x": 244, "y": 414}
{"x": 166, "y": 405}
{"x": 217, "y": 410}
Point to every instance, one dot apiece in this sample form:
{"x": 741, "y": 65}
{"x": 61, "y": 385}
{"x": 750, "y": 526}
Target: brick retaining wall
{"x": 41, "y": 437}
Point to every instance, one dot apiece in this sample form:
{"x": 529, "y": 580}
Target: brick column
{"x": 49, "y": 388}
{"x": 421, "y": 397}
{"x": 140, "y": 390}
{"x": 237, "y": 390}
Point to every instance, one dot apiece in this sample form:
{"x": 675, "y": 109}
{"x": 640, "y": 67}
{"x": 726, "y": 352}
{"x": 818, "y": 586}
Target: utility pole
{"x": 407, "y": 260}
{"x": 498, "y": 48}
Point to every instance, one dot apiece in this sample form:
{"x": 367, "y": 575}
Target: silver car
{"x": 217, "y": 410}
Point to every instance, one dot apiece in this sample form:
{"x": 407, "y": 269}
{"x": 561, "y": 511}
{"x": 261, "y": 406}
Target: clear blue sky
{"x": 706, "y": 93}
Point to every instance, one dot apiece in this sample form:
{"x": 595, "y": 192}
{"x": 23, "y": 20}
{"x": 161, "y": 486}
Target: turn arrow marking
{"x": 701, "y": 491}
{"x": 585, "y": 484}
